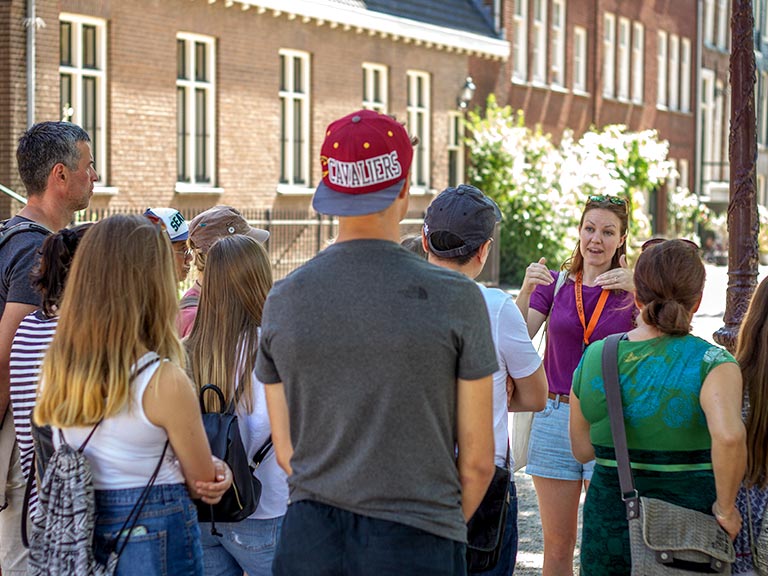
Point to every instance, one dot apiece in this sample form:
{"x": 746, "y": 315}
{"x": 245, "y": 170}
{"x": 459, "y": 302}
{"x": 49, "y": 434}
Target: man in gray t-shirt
{"x": 377, "y": 368}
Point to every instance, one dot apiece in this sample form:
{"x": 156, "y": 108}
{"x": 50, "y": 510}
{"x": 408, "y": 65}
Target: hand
{"x": 211, "y": 492}
{"x": 730, "y": 521}
{"x": 621, "y": 278}
{"x": 537, "y": 274}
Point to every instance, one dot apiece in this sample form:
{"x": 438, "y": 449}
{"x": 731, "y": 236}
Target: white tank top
{"x": 126, "y": 448}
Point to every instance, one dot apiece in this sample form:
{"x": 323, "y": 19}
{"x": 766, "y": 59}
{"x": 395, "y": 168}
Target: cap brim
{"x": 181, "y": 237}
{"x": 333, "y": 203}
{"x": 258, "y": 234}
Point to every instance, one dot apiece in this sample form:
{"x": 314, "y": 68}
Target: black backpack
{"x": 242, "y": 498}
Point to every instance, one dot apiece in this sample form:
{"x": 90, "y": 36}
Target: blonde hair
{"x": 119, "y": 302}
{"x": 222, "y": 345}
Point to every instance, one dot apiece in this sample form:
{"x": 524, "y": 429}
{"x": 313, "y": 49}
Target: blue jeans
{"x": 243, "y": 546}
{"x": 166, "y": 538}
{"x": 321, "y": 540}
{"x": 506, "y": 563}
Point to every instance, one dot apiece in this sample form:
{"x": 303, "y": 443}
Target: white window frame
{"x": 609, "y": 55}
{"x": 289, "y": 96}
{"x": 764, "y": 22}
{"x": 722, "y": 24}
{"x": 674, "y": 72}
{"x": 191, "y": 85}
{"x": 709, "y": 22}
{"x": 673, "y": 178}
{"x": 520, "y": 41}
{"x": 638, "y": 62}
{"x": 623, "y": 61}
{"x": 74, "y": 112}
{"x": 682, "y": 169}
{"x": 455, "y": 146}
{"x": 717, "y": 130}
{"x": 685, "y": 75}
{"x": 762, "y": 118}
{"x": 370, "y": 102}
{"x": 661, "y": 70}
{"x": 419, "y": 107}
{"x": 580, "y": 59}
{"x": 707, "y": 105}
{"x": 558, "y": 43}
{"x": 539, "y": 73}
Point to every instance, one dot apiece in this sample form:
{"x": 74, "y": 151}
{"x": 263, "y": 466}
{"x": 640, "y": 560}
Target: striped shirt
{"x": 27, "y": 352}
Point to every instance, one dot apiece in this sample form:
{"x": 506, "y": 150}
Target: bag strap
{"x": 262, "y": 452}
{"x": 616, "y": 413}
{"x": 25, "y": 503}
{"x": 562, "y": 277}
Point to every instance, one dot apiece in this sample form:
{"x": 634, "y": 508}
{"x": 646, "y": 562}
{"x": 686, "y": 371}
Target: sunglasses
{"x": 654, "y": 241}
{"x": 618, "y": 201}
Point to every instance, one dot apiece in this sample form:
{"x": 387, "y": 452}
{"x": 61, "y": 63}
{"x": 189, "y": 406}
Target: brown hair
{"x": 669, "y": 280}
{"x": 575, "y": 263}
{"x": 752, "y": 354}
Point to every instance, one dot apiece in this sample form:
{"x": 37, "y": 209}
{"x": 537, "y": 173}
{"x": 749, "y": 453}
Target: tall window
{"x": 661, "y": 69}
{"x": 558, "y": 42}
{"x": 623, "y": 59}
{"x": 294, "y": 118}
{"x": 82, "y": 80}
{"x": 375, "y": 87}
{"x": 455, "y": 148}
{"x": 579, "y": 59}
{"x": 638, "y": 64}
{"x": 762, "y": 109}
{"x": 722, "y": 24}
{"x": 195, "y": 109}
{"x": 685, "y": 75}
{"x": 709, "y": 22}
{"x": 520, "y": 41}
{"x": 683, "y": 171}
{"x": 419, "y": 99}
{"x": 609, "y": 54}
{"x": 674, "y": 72}
{"x": 717, "y": 130}
{"x": 540, "y": 41}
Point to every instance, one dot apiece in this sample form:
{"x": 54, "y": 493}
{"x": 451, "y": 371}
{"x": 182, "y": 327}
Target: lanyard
{"x": 580, "y": 308}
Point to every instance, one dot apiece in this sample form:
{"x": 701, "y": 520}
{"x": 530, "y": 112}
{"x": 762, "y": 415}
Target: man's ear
{"x": 424, "y": 243}
{"x": 485, "y": 251}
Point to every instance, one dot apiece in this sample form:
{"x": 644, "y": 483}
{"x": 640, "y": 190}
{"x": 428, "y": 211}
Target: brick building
{"x": 195, "y": 102}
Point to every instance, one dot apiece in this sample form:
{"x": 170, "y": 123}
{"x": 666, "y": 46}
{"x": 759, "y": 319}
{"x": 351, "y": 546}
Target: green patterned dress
{"x": 669, "y": 444}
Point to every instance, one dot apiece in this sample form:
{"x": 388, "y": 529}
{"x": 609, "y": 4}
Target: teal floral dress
{"x": 669, "y": 444}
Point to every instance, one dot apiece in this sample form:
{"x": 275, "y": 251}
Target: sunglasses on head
{"x": 654, "y": 241}
{"x": 617, "y": 200}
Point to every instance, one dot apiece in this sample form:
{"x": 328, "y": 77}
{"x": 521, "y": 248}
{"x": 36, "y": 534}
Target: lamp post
{"x": 466, "y": 94}
{"x": 743, "y": 223}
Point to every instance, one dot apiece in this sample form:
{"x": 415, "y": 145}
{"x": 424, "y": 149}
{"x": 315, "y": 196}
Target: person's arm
{"x": 721, "y": 397}
{"x": 12, "y": 316}
{"x": 581, "y": 445}
{"x": 277, "y": 406}
{"x": 527, "y": 394}
{"x": 621, "y": 278}
{"x": 171, "y": 403}
{"x": 474, "y": 425}
{"x": 537, "y": 274}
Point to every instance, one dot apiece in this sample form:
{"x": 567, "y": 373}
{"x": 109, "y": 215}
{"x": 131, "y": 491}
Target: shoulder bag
{"x": 759, "y": 547}
{"x": 664, "y": 539}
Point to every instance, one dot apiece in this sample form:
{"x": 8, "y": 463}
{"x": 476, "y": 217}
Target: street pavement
{"x": 530, "y": 555}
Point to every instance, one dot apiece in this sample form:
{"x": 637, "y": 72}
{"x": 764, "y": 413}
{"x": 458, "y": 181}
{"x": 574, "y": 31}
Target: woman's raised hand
{"x": 621, "y": 278}
{"x": 537, "y": 274}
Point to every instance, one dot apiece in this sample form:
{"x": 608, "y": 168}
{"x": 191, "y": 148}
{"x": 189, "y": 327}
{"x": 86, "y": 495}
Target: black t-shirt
{"x": 18, "y": 257}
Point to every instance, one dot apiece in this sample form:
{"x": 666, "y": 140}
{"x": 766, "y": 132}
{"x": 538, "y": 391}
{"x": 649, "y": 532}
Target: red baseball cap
{"x": 365, "y": 159}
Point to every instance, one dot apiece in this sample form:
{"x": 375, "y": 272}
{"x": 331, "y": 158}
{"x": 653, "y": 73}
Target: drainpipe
{"x": 697, "y": 161}
{"x": 31, "y": 24}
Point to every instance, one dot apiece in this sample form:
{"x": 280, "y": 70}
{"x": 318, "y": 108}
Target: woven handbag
{"x": 664, "y": 539}
{"x": 759, "y": 547}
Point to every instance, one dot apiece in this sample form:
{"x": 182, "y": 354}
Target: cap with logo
{"x": 365, "y": 159}
{"x": 467, "y": 214}
{"x": 172, "y": 220}
{"x": 220, "y": 221}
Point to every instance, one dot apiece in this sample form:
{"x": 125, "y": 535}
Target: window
{"x": 717, "y": 131}
{"x": 540, "y": 41}
{"x": 661, "y": 70}
{"x": 707, "y": 108}
{"x": 455, "y": 148}
{"x": 83, "y": 79}
{"x": 623, "y": 59}
{"x": 294, "y": 118}
{"x": 673, "y": 178}
{"x": 762, "y": 109}
{"x": 520, "y": 41}
{"x": 685, "y": 75}
{"x": 609, "y": 54}
{"x": 579, "y": 59}
{"x": 195, "y": 109}
{"x": 558, "y": 42}
{"x": 682, "y": 169}
{"x": 375, "y": 87}
{"x": 638, "y": 57}
{"x": 674, "y": 72}
{"x": 709, "y": 21}
{"x": 722, "y": 24}
{"x": 419, "y": 97}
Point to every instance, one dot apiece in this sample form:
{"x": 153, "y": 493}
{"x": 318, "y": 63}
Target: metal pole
{"x": 31, "y": 23}
{"x": 743, "y": 223}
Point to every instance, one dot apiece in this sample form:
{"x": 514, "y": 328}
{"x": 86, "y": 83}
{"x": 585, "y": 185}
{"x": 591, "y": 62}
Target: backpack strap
{"x": 262, "y": 452}
{"x": 6, "y": 232}
{"x": 25, "y": 503}
{"x": 190, "y": 301}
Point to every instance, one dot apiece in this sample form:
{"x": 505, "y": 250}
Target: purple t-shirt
{"x": 565, "y": 335}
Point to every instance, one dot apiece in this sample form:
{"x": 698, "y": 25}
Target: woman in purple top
{"x": 593, "y": 300}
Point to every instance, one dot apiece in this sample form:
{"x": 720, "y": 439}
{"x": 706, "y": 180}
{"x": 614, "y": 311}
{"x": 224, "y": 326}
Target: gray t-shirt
{"x": 369, "y": 340}
{"x": 18, "y": 257}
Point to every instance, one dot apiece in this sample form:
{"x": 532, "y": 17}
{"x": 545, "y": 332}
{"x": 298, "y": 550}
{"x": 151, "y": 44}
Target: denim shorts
{"x": 549, "y": 449}
{"x": 166, "y": 538}
{"x": 247, "y": 546}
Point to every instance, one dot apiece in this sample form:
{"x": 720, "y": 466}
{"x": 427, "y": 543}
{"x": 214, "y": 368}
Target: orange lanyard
{"x": 580, "y": 308}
